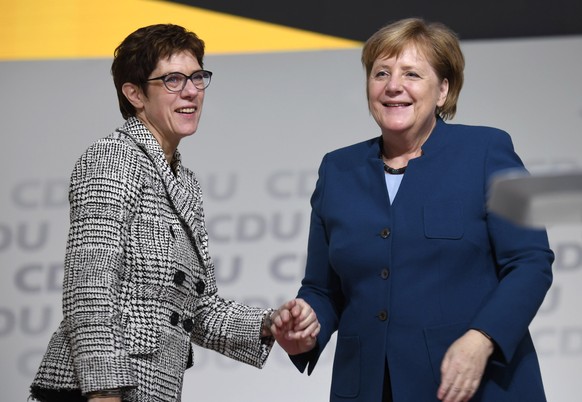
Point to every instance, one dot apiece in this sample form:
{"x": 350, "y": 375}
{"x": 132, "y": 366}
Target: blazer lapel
{"x": 375, "y": 171}
{"x": 184, "y": 199}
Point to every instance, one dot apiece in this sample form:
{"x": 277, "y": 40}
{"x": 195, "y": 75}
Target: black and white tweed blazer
{"x": 139, "y": 284}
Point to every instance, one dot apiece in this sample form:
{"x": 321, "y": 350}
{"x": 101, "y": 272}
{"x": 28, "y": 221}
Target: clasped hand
{"x": 295, "y": 326}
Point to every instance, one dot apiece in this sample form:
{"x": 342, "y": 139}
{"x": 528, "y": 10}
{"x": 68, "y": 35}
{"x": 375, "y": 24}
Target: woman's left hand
{"x": 295, "y": 326}
{"x": 463, "y": 366}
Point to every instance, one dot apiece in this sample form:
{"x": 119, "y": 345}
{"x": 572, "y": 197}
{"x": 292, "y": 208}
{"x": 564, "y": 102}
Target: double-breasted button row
{"x": 174, "y": 318}
{"x": 180, "y": 278}
{"x": 187, "y": 324}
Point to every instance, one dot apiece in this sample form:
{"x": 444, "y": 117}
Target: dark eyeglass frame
{"x": 203, "y": 85}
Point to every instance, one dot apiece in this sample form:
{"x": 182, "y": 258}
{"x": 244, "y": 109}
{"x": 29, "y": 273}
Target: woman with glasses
{"x": 430, "y": 294}
{"x": 139, "y": 284}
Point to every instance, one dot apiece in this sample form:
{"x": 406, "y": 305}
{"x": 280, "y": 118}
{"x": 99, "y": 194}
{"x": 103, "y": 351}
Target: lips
{"x": 392, "y": 104}
{"x": 186, "y": 110}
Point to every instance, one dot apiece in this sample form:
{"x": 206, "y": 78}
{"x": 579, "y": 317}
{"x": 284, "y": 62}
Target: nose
{"x": 190, "y": 89}
{"x": 393, "y": 83}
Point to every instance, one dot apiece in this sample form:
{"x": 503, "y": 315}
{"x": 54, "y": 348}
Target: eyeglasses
{"x": 176, "y": 82}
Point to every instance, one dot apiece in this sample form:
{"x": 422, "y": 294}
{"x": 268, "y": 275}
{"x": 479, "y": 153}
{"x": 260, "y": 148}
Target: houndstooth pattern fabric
{"x": 139, "y": 283}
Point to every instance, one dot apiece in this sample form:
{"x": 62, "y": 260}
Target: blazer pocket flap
{"x": 443, "y": 220}
{"x": 347, "y": 367}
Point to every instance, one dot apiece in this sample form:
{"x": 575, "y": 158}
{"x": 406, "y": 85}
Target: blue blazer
{"x": 401, "y": 282}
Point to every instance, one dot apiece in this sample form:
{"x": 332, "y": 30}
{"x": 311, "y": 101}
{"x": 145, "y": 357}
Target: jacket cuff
{"x": 104, "y": 372}
{"x": 307, "y": 359}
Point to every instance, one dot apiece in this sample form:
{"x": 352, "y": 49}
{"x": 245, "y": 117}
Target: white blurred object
{"x": 538, "y": 200}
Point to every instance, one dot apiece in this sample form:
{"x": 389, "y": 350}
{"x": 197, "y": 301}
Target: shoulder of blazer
{"x": 462, "y": 133}
{"x": 117, "y": 143}
{"x": 459, "y": 138}
{"x": 355, "y": 153}
{"x": 118, "y": 167}
{"x": 110, "y": 155}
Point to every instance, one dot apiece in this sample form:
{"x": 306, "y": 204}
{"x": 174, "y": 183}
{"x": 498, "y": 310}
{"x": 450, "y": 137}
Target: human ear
{"x": 443, "y": 92}
{"x": 133, "y": 94}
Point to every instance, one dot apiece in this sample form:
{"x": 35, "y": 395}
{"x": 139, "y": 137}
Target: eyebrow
{"x": 405, "y": 67}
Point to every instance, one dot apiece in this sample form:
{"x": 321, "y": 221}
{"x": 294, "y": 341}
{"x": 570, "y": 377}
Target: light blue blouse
{"x": 392, "y": 184}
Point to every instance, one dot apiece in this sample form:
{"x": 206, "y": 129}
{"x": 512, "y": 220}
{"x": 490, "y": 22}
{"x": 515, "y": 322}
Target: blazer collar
{"x": 434, "y": 141}
{"x": 146, "y": 141}
{"x": 184, "y": 199}
{"x": 436, "y": 138}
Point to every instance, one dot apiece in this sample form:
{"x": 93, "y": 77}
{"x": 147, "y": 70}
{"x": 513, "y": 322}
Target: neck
{"x": 169, "y": 157}
{"x": 167, "y": 145}
{"x": 399, "y": 148}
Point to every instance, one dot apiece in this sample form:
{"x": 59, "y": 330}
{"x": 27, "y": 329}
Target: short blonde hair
{"x": 435, "y": 41}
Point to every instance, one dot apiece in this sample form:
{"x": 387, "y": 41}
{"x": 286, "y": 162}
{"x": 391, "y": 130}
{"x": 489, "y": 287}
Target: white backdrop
{"x": 268, "y": 119}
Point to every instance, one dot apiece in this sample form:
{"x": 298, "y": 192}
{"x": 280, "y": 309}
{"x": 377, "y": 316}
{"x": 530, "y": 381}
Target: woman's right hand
{"x": 295, "y": 327}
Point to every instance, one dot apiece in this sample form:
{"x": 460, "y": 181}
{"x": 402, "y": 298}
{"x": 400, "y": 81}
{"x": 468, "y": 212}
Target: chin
{"x": 394, "y": 128}
{"x": 189, "y": 130}
{"x": 188, "y": 134}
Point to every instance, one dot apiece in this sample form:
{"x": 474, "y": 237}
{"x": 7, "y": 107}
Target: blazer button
{"x": 385, "y": 273}
{"x": 172, "y": 232}
{"x": 179, "y": 277}
{"x": 382, "y": 315}
{"x": 188, "y": 325}
{"x": 200, "y": 287}
{"x": 174, "y": 318}
{"x": 385, "y": 233}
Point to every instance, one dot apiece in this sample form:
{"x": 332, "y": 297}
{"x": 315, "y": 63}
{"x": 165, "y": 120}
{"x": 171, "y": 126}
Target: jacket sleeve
{"x": 231, "y": 329}
{"x": 321, "y": 285}
{"x": 104, "y": 191}
{"x": 523, "y": 259}
{"x": 226, "y": 326}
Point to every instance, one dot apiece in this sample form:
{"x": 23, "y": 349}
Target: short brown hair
{"x": 437, "y": 43}
{"x": 138, "y": 55}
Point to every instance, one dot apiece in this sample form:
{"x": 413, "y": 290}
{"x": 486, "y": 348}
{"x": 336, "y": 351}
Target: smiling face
{"x": 404, "y": 92}
{"x": 170, "y": 116}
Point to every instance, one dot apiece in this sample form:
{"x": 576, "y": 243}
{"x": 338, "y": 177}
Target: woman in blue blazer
{"x": 431, "y": 294}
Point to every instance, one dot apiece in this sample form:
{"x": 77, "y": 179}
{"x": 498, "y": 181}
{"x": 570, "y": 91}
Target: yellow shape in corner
{"x": 64, "y": 29}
